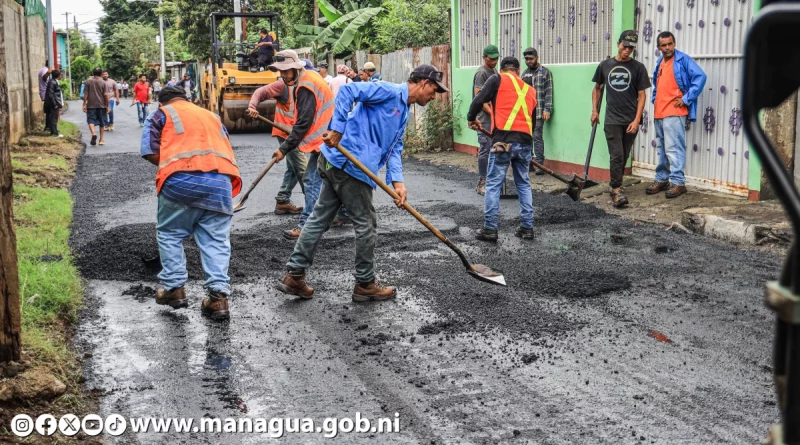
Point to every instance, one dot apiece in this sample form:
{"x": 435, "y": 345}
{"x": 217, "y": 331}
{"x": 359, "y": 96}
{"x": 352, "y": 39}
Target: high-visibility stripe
{"x": 520, "y": 104}
{"x": 311, "y": 136}
{"x": 176, "y": 120}
{"x": 189, "y": 154}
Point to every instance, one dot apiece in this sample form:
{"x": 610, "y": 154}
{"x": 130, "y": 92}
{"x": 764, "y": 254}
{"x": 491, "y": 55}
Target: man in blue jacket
{"x": 677, "y": 83}
{"x": 373, "y": 133}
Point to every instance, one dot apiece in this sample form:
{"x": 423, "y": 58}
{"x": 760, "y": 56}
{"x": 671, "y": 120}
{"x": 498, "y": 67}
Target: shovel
{"x": 574, "y": 184}
{"x": 478, "y": 271}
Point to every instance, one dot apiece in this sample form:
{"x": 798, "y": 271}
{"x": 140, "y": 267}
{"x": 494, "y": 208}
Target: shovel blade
{"x": 239, "y": 207}
{"x": 486, "y": 274}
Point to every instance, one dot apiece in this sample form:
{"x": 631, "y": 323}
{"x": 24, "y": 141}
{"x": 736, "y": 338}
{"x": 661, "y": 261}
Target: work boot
{"x": 340, "y": 221}
{"x": 675, "y": 191}
{"x": 484, "y": 234}
{"x": 657, "y": 187}
{"x": 373, "y": 291}
{"x": 287, "y": 209}
{"x": 295, "y": 285}
{"x": 524, "y": 233}
{"x": 174, "y": 298}
{"x": 293, "y": 234}
{"x": 618, "y": 199}
{"x": 538, "y": 172}
{"x": 216, "y": 306}
{"x": 481, "y": 189}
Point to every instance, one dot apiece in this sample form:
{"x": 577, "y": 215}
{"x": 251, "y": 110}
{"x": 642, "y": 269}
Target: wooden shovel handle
{"x": 407, "y": 206}
{"x": 280, "y": 127}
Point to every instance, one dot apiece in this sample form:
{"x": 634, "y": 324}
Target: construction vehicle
{"x": 228, "y": 81}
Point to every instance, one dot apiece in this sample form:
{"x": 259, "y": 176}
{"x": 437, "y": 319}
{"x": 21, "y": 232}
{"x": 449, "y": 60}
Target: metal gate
{"x": 510, "y": 32}
{"x": 712, "y": 32}
{"x": 473, "y": 26}
{"x": 578, "y": 31}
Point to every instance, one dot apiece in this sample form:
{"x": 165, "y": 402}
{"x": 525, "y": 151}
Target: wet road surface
{"x": 609, "y": 332}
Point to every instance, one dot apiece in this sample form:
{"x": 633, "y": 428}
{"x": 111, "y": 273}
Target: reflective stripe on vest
{"x": 522, "y": 94}
{"x": 176, "y": 120}
{"x": 189, "y": 154}
{"x": 324, "y": 110}
{"x": 285, "y": 113}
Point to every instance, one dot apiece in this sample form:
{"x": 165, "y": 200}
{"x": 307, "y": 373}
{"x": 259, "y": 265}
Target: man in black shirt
{"x": 263, "y": 52}
{"x": 626, "y": 80}
{"x": 491, "y": 55}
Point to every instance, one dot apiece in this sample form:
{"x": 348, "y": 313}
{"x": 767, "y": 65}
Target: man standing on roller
{"x": 373, "y": 133}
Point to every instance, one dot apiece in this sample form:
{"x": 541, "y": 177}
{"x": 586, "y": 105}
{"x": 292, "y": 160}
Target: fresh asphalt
{"x": 609, "y": 332}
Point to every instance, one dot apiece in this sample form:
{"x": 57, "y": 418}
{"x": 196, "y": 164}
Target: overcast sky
{"x": 86, "y": 11}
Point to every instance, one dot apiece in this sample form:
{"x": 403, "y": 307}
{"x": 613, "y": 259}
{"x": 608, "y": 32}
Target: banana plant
{"x": 346, "y": 31}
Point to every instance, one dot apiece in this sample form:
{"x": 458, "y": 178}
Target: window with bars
{"x": 510, "y": 32}
{"x": 474, "y": 33}
{"x": 573, "y": 31}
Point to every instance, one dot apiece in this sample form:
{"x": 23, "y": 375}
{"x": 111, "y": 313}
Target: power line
{"x": 116, "y": 20}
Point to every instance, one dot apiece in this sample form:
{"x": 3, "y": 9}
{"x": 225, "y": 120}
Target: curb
{"x": 704, "y": 221}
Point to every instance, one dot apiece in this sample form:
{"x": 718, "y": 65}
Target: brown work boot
{"x": 287, "y": 209}
{"x": 175, "y": 298}
{"x": 216, "y": 306}
{"x": 481, "y": 189}
{"x": 618, "y": 199}
{"x": 657, "y": 187}
{"x": 295, "y": 285}
{"x": 373, "y": 291}
{"x": 293, "y": 234}
{"x": 340, "y": 221}
{"x": 675, "y": 191}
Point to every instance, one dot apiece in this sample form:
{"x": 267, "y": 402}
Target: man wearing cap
{"x": 678, "y": 81}
{"x": 323, "y": 72}
{"x": 541, "y": 80}
{"x": 625, "y": 80}
{"x": 340, "y": 79}
{"x": 372, "y": 75}
{"x": 313, "y": 109}
{"x": 513, "y": 106}
{"x": 373, "y": 132}
{"x": 196, "y": 181}
{"x": 490, "y": 57}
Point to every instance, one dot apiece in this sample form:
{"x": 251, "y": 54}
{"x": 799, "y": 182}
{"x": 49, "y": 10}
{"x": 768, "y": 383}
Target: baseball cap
{"x": 341, "y": 69}
{"x": 491, "y": 52}
{"x": 308, "y": 65}
{"x": 530, "y": 52}
{"x": 287, "y": 60}
{"x": 323, "y": 65}
{"x": 369, "y": 66}
{"x": 430, "y": 72}
{"x": 509, "y": 62}
{"x": 629, "y": 38}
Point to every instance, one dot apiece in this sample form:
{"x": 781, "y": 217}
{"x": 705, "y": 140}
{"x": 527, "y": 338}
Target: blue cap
{"x": 309, "y": 65}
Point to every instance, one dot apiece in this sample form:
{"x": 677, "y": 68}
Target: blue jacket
{"x": 690, "y": 79}
{"x": 373, "y": 131}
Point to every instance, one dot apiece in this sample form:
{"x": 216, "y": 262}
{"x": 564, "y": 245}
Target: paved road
{"x": 609, "y": 332}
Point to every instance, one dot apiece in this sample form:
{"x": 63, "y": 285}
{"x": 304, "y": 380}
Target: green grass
{"x": 68, "y": 129}
{"x": 51, "y": 291}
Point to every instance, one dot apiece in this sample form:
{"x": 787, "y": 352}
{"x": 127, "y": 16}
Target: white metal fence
{"x": 573, "y": 32}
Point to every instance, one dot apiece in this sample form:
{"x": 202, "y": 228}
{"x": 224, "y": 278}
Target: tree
{"x": 347, "y": 30}
{"x": 192, "y": 20}
{"x": 81, "y": 69}
{"x": 410, "y": 23}
{"x": 129, "y": 49}
{"x": 122, "y": 11}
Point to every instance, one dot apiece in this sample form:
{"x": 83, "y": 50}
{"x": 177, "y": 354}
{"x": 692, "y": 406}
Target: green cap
{"x": 491, "y": 52}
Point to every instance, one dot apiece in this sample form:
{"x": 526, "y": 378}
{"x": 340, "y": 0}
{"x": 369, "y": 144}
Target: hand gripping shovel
{"x": 478, "y": 271}
{"x": 574, "y": 184}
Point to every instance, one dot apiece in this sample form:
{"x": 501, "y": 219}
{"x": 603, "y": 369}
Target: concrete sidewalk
{"x": 708, "y": 213}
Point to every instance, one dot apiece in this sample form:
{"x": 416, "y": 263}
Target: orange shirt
{"x": 667, "y": 92}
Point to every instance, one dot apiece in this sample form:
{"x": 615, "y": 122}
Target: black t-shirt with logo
{"x": 623, "y": 81}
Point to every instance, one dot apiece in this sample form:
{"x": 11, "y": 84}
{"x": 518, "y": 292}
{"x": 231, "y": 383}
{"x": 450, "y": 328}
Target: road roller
{"x": 229, "y": 81}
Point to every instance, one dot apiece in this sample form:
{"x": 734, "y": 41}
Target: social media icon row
{"x": 69, "y": 425}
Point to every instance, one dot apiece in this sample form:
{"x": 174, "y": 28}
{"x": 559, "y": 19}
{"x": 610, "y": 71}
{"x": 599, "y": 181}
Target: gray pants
{"x": 538, "y": 141}
{"x": 295, "y": 169}
{"x": 484, "y": 147}
{"x": 339, "y": 189}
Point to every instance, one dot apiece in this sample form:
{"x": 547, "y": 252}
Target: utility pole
{"x": 69, "y": 61}
{"x": 316, "y": 13}
{"x": 49, "y": 32}
{"x": 161, "y": 31}
{"x": 237, "y": 22}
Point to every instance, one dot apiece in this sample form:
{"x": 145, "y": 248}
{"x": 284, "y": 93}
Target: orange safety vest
{"x": 285, "y": 113}
{"x": 514, "y": 105}
{"x": 194, "y": 140}
{"x": 324, "y": 111}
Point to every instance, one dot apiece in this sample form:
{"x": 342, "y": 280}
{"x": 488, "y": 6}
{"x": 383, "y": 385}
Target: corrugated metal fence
{"x": 713, "y": 33}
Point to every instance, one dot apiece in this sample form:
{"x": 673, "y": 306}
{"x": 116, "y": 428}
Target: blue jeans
{"x": 671, "y": 144}
{"x": 295, "y": 170}
{"x": 312, "y": 183}
{"x": 484, "y": 145}
{"x": 520, "y": 159}
{"x": 111, "y": 105}
{"x": 141, "y": 110}
{"x": 211, "y": 232}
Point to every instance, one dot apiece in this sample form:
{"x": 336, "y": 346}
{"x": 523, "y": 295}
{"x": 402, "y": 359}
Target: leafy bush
{"x": 411, "y": 23}
{"x": 436, "y": 130}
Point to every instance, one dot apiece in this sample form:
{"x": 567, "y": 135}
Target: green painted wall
{"x": 754, "y": 172}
